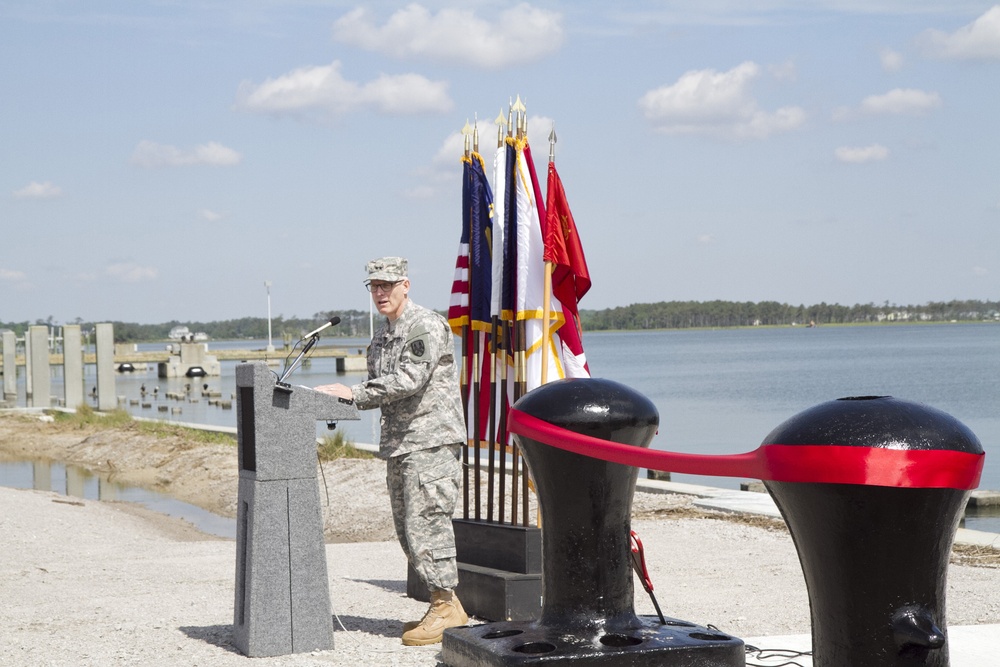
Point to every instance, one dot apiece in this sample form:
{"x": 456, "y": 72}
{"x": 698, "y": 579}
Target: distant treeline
{"x": 662, "y": 315}
{"x": 353, "y": 324}
{"x": 688, "y": 314}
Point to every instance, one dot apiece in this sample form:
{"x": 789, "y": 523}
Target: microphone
{"x": 333, "y": 322}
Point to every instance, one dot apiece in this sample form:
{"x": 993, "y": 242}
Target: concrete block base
{"x": 499, "y": 571}
{"x": 282, "y": 593}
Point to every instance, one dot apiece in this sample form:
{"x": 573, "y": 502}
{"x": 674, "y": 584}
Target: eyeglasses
{"x": 382, "y": 287}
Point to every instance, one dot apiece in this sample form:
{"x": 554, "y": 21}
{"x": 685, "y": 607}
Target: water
{"x": 717, "y": 391}
{"x": 196, "y": 409}
{"x": 77, "y": 482}
{"x": 723, "y": 391}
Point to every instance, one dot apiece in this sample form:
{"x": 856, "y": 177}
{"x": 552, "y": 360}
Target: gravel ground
{"x": 89, "y": 583}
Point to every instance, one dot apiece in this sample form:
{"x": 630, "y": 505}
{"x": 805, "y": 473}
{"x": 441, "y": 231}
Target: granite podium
{"x": 282, "y": 600}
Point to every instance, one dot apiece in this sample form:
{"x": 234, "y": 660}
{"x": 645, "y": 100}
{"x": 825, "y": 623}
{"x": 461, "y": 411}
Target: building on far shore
{"x": 184, "y": 334}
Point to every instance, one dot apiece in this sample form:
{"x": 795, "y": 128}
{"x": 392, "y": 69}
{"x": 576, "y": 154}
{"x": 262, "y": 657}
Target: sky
{"x": 167, "y": 160}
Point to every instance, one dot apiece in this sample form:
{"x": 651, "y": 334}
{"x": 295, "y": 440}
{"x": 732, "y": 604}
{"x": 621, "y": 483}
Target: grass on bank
{"x": 337, "y": 446}
{"x": 86, "y": 417}
{"x": 330, "y": 448}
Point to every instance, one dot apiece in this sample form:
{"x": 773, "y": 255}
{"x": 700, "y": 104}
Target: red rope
{"x": 827, "y": 464}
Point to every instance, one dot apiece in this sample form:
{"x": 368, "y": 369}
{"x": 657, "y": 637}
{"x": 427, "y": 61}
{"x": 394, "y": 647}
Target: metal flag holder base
{"x": 646, "y": 644}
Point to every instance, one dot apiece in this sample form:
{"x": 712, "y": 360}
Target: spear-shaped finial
{"x": 501, "y": 123}
{"x": 522, "y": 123}
{"x": 475, "y": 133}
{"x": 510, "y": 118}
{"x": 467, "y": 133}
{"x": 552, "y": 143}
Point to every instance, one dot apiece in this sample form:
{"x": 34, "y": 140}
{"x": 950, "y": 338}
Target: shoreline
{"x": 105, "y": 454}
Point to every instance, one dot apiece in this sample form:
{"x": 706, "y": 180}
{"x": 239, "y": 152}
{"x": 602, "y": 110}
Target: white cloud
{"x": 445, "y": 167}
{"x": 210, "y": 215}
{"x": 521, "y": 34}
{"x": 36, "y": 190}
{"x": 451, "y": 150}
{"x": 979, "y": 40}
{"x": 786, "y": 71}
{"x": 860, "y": 155}
{"x": 448, "y": 156}
{"x": 716, "y": 103}
{"x": 12, "y": 276}
{"x": 151, "y": 154}
{"x": 539, "y": 128}
{"x": 130, "y": 272}
{"x": 900, "y": 101}
{"x": 980, "y": 271}
{"x": 404, "y": 94}
{"x": 323, "y": 90}
{"x": 892, "y": 61}
{"x": 706, "y": 239}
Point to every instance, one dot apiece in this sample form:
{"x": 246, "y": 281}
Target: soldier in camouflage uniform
{"x": 413, "y": 379}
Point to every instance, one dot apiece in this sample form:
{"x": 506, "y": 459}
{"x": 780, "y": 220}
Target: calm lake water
{"x": 717, "y": 391}
{"x": 723, "y": 391}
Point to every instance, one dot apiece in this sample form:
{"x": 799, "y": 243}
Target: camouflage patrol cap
{"x": 389, "y": 269}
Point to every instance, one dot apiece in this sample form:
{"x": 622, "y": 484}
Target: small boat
{"x": 196, "y": 372}
{"x": 125, "y": 367}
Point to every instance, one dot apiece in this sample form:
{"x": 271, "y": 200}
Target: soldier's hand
{"x": 338, "y": 390}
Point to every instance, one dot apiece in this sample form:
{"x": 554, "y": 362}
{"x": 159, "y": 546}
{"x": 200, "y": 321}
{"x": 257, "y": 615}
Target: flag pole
{"x": 519, "y": 341}
{"x": 505, "y": 349}
{"x": 547, "y": 284}
{"x": 477, "y": 366}
{"x": 492, "y": 433}
{"x": 466, "y": 364}
{"x": 512, "y": 341}
{"x": 464, "y": 380}
{"x": 495, "y": 355}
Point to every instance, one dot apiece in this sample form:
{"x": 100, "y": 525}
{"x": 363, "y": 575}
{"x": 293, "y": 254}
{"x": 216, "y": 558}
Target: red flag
{"x": 570, "y": 276}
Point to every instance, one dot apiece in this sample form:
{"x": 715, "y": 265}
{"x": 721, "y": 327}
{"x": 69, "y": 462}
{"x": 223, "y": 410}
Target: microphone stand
{"x": 281, "y": 384}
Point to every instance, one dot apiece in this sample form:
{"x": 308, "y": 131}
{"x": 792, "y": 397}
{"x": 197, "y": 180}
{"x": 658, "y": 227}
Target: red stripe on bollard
{"x": 825, "y": 464}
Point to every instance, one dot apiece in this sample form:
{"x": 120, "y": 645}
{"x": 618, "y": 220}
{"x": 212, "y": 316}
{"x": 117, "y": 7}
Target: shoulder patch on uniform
{"x": 418, "y": 342}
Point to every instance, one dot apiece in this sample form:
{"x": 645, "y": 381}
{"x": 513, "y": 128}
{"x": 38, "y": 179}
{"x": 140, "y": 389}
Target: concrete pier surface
{"x": 761, "y": 504}
{"x": 156, "y": 356}
{"x": 88, "y": 583}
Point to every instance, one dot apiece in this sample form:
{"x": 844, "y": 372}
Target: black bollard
{"x": 587, "y": 615}
{"x": 874, "y": 557}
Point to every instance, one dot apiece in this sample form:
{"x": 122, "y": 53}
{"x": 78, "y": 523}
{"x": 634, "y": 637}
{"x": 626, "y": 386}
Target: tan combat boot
{"x": 445, "y": 612}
